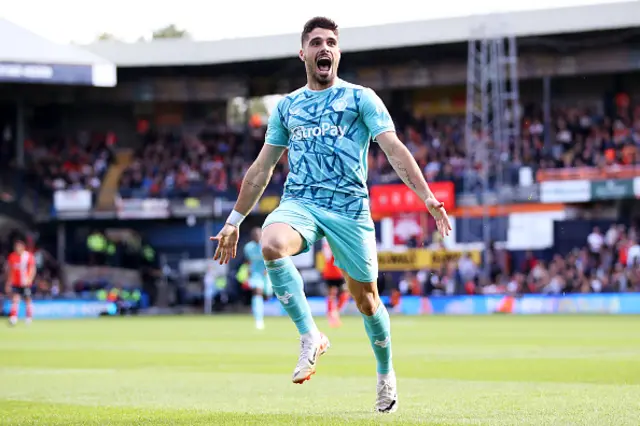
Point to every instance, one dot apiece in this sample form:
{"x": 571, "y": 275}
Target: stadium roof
{"x": 26, "y": 57}
{"x": 176, "y": 52}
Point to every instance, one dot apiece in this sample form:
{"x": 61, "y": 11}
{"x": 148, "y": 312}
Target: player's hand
{"x": 227, "y": 240}
{"x": 436, "y": 208}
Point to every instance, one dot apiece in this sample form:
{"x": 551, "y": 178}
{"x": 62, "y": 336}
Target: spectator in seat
{"x": 633, "y": 254}
{"x": 595, "y": 240}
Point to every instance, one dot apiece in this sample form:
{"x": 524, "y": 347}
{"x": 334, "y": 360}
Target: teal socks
{"x": 378, "y": 328}
{"x": 289, "y": 289}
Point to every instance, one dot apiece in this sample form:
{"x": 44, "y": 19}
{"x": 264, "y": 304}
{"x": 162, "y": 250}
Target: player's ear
{"x": 301, "y": 55}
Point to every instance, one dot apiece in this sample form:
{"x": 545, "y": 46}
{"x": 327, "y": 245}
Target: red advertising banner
{"x": 398, "y": 198}
{"x": 409, "y": 225}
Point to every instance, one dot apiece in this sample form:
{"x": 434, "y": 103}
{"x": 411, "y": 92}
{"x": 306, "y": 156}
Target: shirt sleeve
{"x": 374, "y": 114}
{"x": 277, "y": 133}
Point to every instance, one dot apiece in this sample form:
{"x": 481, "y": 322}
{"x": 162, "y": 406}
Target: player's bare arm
{"x": 253, "y": 186}
{"x": 408, "y": 170}
{"x": 257, "y": 178}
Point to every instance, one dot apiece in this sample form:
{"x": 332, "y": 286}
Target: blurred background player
{"x": 337, "y": 295}
{"x": 209, "y": 288}
{"x": 258, "y": 278}
{"x": 21, "y": 271}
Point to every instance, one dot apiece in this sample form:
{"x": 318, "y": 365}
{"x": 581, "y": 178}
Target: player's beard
{"x": 324, "y": 79}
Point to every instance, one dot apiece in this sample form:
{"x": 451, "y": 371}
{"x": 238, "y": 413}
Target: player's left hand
{"x": 436, "y": 208}
{"x": 227, "y": 240}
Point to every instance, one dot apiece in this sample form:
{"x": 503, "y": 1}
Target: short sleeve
{"x": 374, "y": 114}
{"x": 277, "y": 134}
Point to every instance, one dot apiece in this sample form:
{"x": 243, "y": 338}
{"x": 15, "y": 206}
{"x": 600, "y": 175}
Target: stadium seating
{"x": 65, "y": 162}
{"x": 190, "y": 165}
{"x": 612, "y": 267}
{"x": 579, "y": 144}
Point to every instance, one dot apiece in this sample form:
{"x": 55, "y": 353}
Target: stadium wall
{"x": 612, "y": 304}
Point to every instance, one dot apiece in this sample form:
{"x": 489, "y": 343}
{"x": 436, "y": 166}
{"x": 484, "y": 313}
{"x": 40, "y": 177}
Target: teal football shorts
{"x": 352, "y": 241}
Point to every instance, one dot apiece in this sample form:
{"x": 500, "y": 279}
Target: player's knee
{"x": 274, "y": 247}
{"x": 367, "y": 303}
{"x": 280, "y": 240}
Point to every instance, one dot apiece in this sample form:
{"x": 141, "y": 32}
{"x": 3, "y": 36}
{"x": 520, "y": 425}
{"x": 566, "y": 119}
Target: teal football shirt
{"x": 327, "y": 133}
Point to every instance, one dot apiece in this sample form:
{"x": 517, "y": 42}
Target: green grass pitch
{"x": 501, "y": 370}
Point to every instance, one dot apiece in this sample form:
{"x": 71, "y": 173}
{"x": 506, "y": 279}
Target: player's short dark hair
{"x": 318, "y": 22}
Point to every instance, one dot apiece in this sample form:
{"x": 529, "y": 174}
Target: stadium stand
{"x": 611, "y": 265}
{"x": 192, "y": 164}
{"x": 153, "y": 150}
{"x": 60, "y": 163}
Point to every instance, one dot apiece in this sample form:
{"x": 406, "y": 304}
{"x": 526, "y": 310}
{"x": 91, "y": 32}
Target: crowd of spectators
{"x": 584, "y": 139}
{"x": 608, "y": 262}
{"x": 212, "y": 161}
{"x": 216, "y": 160}
{"x": 71, "y": 162}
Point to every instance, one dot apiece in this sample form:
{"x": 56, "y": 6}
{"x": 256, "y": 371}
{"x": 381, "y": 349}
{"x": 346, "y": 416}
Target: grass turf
{"x": 501, "y": 370}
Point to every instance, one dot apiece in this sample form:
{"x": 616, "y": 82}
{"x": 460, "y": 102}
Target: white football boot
{"x": 310, "y": 350}
{"x": 387, "y": 390}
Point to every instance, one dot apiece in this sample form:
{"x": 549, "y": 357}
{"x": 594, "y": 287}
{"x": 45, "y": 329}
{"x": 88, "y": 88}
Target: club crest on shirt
{"x": 339, "y": 105}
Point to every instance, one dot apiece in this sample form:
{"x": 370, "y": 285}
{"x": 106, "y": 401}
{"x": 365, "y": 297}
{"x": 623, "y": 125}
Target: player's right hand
{"x": 227, "y": 240}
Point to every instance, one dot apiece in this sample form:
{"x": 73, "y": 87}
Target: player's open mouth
{"x": 324, "y": 64}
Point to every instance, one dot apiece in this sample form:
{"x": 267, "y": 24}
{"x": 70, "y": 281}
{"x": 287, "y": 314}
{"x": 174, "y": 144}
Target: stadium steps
{"x": 111, "y": 181}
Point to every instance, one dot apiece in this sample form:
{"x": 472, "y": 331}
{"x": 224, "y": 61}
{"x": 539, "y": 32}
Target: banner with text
{"x": 192, "y": 206}
{"x": 72, "y": 200}
{"x": 399, "y": 198}
{"x": 148, "y": 208}
{"x": 612, "y": 189}
{"x": 416, "y": 259}
{"x": 612, "y": 304}
{"x": 99, "y": 75}
{"x": 567, "y": 191}
{"x": 58, "y": 309}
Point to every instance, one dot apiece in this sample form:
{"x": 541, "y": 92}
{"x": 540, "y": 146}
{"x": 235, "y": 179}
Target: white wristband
{"x": 235, "y": 218}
